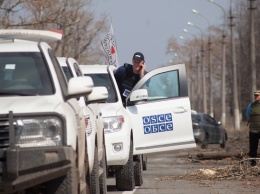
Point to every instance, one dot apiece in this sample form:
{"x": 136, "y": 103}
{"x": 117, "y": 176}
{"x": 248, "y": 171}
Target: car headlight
{"x": 38, "y": 131}
{"x": 195, "y": 126}
{"x": 113, "y": 124}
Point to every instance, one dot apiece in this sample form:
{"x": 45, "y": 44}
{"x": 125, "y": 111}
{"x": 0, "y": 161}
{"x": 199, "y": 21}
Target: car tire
{"x": 94, "y": 175}
{"x": 138, "y": 170}
{"x": 125, "y": 180}
{"x": 223, "y": 143}
{"x": 144, "y": 158}
{"x": 103, "y": 175}
{"x": 206, "y": 142}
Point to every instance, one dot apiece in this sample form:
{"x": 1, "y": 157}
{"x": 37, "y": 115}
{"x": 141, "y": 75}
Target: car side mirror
{"x": 98, "y": 95}
{"x": 137, "y": 96}
{"x": 80, "y": 86}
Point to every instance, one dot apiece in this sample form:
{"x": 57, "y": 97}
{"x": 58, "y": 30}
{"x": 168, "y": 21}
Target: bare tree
{"x": 188, "y": 53}
{"x": 81, "y": 30}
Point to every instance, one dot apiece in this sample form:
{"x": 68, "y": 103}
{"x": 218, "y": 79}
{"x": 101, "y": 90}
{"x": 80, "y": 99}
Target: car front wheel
{"x": 103, "y": 176}
{"x": 125, "y": 180}
{"x": 205, "y": 142}
{"x": 144, "y": 162}
{"x": 223, "y": 143}
{"x": 138, "y": 170}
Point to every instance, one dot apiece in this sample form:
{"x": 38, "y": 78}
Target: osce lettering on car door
{"x": 157, "y": 123}
{"x": 162, "y": 121}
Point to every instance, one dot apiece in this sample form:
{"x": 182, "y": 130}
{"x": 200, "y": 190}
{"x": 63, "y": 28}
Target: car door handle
{"x": 180, "y": 110}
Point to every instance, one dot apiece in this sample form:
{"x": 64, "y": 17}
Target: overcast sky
{"x": 147, "y": 25}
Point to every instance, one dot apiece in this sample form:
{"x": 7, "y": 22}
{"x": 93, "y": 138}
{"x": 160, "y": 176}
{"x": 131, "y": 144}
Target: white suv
{"x": 157, "y": 118}
{"x": 42, "y": 125}
{"x": 95, "y": 127}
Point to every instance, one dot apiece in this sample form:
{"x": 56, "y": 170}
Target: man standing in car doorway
{"x": 128, "y": 75}
{"x": 253, "y": 118}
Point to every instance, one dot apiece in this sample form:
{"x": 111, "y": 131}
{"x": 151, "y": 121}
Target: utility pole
{"x": 252, "y": 8}
{"x": 198, "y": 96}
{"x": 211, "y": 111}
{"x": 210, "y": 73}
{"x": 198, "y": 83}
{"x": 223, "y": 81}
{"x": 234, "y": 63}
{"x": 205, "y": 110}
{"x": 190, "y": 82}
{"x": 204, "y": 97}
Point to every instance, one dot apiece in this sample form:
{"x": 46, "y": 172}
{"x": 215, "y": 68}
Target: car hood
{"x": 28, "y": 104}
{"x": 109, "y": 109}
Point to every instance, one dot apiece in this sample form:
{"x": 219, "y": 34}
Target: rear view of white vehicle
{"x": 156, "y": 119}
{"x": 94, "y": 128}
{"x": 42, "y": 125}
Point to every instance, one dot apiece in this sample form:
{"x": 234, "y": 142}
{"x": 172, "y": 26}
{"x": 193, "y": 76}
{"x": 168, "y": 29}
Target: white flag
{"x": 108, "y": 47}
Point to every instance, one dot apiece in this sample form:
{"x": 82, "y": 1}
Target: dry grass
{"x": 228, "y": 168}
{"x": 241, "y": 172}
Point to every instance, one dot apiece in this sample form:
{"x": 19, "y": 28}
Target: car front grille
{"x": 4, "y": 132}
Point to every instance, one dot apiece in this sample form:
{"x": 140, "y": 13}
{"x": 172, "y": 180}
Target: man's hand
{"x": 141, "y": 73}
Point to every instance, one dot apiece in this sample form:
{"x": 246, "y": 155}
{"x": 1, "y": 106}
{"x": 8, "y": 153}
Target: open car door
{"x": 160, "y": 111}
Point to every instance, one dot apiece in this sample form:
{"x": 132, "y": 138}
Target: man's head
{"x": 138, "y": 56}
{"x": 257, "y": 94}
{"x": 138, "y": 61}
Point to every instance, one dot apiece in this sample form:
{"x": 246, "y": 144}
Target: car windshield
{"x": 195, "y": 118}
{"x": 24, "y": 74}
{"x": 104, "y": 80}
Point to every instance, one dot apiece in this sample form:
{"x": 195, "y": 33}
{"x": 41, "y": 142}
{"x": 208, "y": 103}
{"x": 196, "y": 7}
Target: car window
{"x": 104, "y": 80}
{"x": 212, "y": 120}
{"x": 161, "y": 86}
{"x": 205, "y": 118}
{"x": 77, "y": 70}
{"x": 67, "y": 72}
{"x": 208, "y": 119}
{"x": 24, "y": 72}
{"x": 195, "y": 118}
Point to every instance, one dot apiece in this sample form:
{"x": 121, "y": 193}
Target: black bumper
{"x": 22, "y": 168}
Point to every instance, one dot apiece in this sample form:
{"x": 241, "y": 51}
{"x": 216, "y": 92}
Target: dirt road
{"x": 206, "y": 171}
{"x": 201, "y": 171}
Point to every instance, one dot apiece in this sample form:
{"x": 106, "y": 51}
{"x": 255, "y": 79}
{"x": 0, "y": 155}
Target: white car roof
{"x": 31, "y": 35}
{"x": 93, "y": 69}
{"x": 20, "y": 40}
{"x": 18, "y": 46}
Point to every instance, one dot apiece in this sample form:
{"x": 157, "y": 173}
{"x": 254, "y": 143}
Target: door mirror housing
{"x": 137, "y": 96}
{"x": 80, "y": 86}
{"x": 98, "y": 95}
